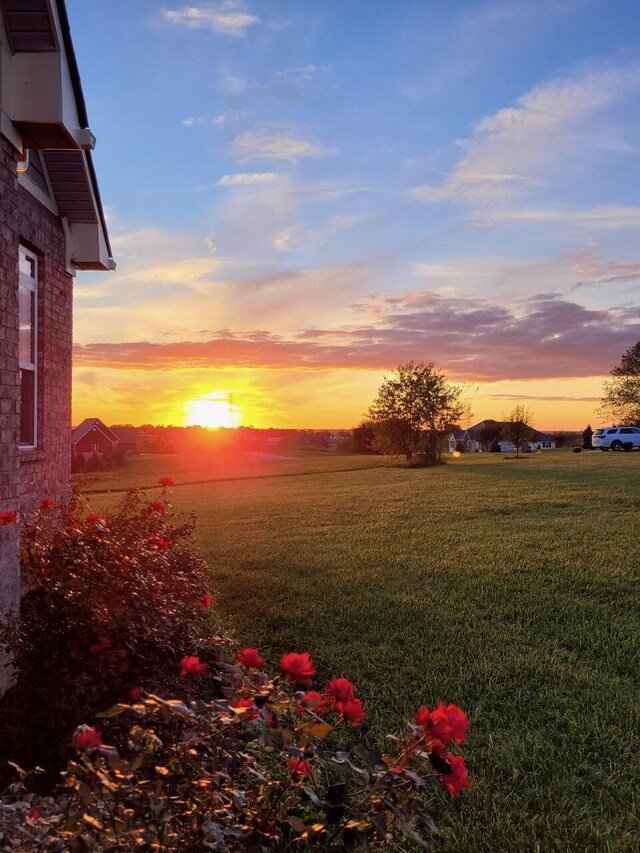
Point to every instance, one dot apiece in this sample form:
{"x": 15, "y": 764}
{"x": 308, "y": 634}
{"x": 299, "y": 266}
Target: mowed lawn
{"x": 508, "y": 587}
{"x": 202, "y": 467}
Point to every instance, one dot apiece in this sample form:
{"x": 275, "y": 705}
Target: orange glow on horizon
{"x": 212, "y": 412}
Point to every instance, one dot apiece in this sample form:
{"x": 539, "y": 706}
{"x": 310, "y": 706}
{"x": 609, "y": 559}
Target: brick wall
{"x": 25, "y": 477}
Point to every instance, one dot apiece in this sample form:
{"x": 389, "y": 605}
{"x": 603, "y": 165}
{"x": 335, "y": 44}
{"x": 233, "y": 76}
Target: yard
{"x": 508, "y": 587}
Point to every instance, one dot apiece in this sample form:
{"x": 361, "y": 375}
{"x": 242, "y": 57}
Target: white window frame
{"x": 32, "y": 285}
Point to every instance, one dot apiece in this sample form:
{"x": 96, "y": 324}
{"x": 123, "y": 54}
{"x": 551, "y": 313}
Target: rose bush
{"x": 252, "y": 769}
{"x": 112, "y": 599}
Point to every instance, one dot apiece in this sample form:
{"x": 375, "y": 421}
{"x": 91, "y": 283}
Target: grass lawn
{"x": 200, "y": 467}
{"x": 508, "y": 587}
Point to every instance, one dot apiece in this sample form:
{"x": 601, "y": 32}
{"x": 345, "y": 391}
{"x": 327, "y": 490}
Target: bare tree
{"x": 414, "y": 411}
{"x": 517, "y": 428}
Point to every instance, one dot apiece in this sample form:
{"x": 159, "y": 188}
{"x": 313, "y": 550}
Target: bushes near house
{"x": 112, "y": 601}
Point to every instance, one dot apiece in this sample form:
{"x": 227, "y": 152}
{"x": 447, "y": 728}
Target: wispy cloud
{"x": 605, "y": 218}
{"x": 243, "y": 179}
{"x": 273, "y": 145}
{"x": 228, "y": 18}
{"x": 510, "y": 150}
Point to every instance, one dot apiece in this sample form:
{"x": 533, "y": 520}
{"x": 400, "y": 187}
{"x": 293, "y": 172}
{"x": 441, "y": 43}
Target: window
{"x": 28, "y": 347}
{"x": 626, "y": 431}
{"x": 612, "y": 431}
{"x": 95, "y": 448}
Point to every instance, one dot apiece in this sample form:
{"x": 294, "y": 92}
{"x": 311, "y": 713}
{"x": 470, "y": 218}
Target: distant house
{"x": 462, "y": 439}
{"x": 93, "y": 437}
{"x": 468, "y": 439}
{"x": 129, "y": 439}
{"x": 542, "y": 441}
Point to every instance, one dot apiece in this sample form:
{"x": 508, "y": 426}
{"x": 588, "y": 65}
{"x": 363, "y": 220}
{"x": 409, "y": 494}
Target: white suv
{"x": 617, "y": 438}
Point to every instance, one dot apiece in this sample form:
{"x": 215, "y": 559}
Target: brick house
{"x": 51, "y": 224}
{"x": 92, "y": 436}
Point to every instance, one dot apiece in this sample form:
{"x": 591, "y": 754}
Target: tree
{"x": 560, "y": 438}
{"x": 621, "y": 400}
{"x": 487, "y": 434}
{"x": 362, "y": 439}
{"x": 414, "y": 410}
{"x": 587, "y": 437}
{"x": 517, "y": 427}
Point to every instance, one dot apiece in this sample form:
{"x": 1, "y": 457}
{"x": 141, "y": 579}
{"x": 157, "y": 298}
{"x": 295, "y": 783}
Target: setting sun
{"x": 212, "y": 412}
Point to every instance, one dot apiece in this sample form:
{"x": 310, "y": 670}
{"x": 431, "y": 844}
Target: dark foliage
{"x": 110, "y": 601}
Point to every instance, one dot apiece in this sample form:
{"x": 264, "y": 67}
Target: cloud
{"x": 546, "y": 397}
{"x": 605, "y": 218}
{"x": 512, "y": 149}
{"x": 472, "y": 339}
{"x": 227, "y": 18}
{"x": 242, "y": 179}
{"x": 268, "y": 145}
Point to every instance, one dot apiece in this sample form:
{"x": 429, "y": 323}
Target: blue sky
{"x": 302, "y": 193}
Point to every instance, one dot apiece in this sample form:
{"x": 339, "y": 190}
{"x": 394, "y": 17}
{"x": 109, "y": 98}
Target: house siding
{"x": 94, "y": 436}
{"x": 27, "y": 476}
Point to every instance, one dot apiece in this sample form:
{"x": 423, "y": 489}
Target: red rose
{"x": 192, "y": 666}
{"x": 165, "y": 482}
{"x": 246, "y": 705}
{"x": 313, "y": 700}
{"x": 299, "y": 767}
{"x": 33, "y": 814}
{"x": 135, "y": 694}
{"x": 102, "y": 644}
{"x": 456, "y": 778}
{"x": 87, "y": 738}
{"x": 298, "y": 667}
{"x": 93, "y": 518}
{"x": 47, "y": 503}
{"x": 351, "y": 710}
{"x": 205, "y": 600}
{"x": 340, "y": 689}
{"x": 163, "y": 543}
{"x": 455, "y": 719}
{"x": 250, "y": 657}
{"x": 158, "y": 506}
{"x": 121, "y": 653}
{"x": 444, "y": 723}
{"x": 8, "y": 518}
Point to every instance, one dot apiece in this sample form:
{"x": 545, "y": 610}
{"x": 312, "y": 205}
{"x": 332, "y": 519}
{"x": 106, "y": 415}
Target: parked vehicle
{"x": 617, "y": 438}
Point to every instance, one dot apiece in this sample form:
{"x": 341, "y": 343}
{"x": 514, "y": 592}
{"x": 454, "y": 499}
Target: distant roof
{"x": 87, "y": 425}
{"x": 126, "y": 434}
{"x": 459, "y": 434}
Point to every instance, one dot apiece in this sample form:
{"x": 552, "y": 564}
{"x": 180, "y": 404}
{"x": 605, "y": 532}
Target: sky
{"x": 302, "y": 194}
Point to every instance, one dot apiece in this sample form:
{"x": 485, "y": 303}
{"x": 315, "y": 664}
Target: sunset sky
{"x": 303, "y": 193}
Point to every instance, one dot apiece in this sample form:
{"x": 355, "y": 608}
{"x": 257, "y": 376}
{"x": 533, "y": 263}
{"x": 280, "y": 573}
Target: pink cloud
{"x": 472, "y": 339}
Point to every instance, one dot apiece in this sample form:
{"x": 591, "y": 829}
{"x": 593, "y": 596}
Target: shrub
{"x": 250, "y": 771}
{"x": 110, "y": 598}
{"x": 577, "y": 449}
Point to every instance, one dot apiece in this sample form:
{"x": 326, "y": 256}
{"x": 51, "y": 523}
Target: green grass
{"x": 201, "y": 467}
{"x": 508, "y": 587}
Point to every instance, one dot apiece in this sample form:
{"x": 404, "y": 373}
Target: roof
{"x": 87, "y": 425}
{"x": 81, "y": 106}
{"x": 46, "y": 105}
{"x": 128, "y": 435}
{"x": 459, "y": 434}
